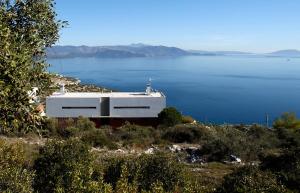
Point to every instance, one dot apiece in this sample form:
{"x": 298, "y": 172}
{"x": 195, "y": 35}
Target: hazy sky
{"x": 245, "y": 25}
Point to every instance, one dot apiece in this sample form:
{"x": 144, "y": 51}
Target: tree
{"x": 27, "y": 28}
{"x": 14, "y": 175}
{"x": 66, "y": 166}
{"x": 287, "y": 121}
{"x": 169, "y": 116}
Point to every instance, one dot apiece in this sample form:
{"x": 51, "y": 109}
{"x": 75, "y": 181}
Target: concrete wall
{"x": 54, "y": 107}
{"x": 118, "y": 107}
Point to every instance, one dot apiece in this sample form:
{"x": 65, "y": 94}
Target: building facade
{"x": 105, "y": 105}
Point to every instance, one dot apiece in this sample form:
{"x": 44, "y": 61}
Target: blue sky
{"x": 243, "y": 25}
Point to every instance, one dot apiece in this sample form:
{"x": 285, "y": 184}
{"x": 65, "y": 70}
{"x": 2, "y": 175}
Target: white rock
{"x": 149, "y": 151}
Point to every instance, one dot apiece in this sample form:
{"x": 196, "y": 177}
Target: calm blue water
{"x": 209, "y": 88}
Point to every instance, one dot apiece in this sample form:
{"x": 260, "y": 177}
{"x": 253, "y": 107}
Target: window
{"x": 132, "y": 107}
{"x": 79, "y": 107}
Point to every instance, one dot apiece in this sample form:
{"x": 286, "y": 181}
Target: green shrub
{"x": 68, "y": 132}
{"x": 97, "y": 138}
{"x": 216, "y": 150}
{"x": 288, "y": 138}
{"x": 65, "y": 166}
{"x": 188, "y": 134}
{"x": 169, "y": 117}
{"x": 51, "y": 127}
{"x": 136, "y": 135}
{"x": 286, "y": 166}
{"x": 113, "y": 169}
{"x": 159, "y": 168}
{"x": 84, "y": 124}
{"x": 288, "y": 121}
{"x": 187, "y": 119}
{"x": 14, "y": 175}
{"x": 251, "y": 179}
{"x": 69, "y": 123}
{"x": 146, "y": 171}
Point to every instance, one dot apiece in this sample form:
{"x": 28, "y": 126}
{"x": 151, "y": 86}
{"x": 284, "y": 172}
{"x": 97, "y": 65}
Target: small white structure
{"x": 106, "y": 105}
{"x": 32, "y": 94}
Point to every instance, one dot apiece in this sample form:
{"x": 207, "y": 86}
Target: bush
{"x": 51, "y": 127}
{"x": 65, "y": 167}
{"x": 181, "y": 134}
{"x": 288, "y": 121}
{"x": 97, "y": 138}
{"x": 84, "y": 124}
{"x": 286, "y": 167}
{"x": 169, "y": 117}
{"x": 288, "y": 138}
{"x": 136, "y": 135}
{"x": 159, "y": 168}
{"x": 187, "y": 119}
{"x": 146, "y": 171}
{"x": 250, "y": 179}
{"x": 68, "y": 132}
{"x": 113, "y": 170}
{"x": 216, "y": 150}
{"x": 14, "y": 175}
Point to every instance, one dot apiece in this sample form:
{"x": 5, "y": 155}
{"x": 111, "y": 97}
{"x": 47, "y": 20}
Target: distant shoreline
{"x": 142, "y": 51}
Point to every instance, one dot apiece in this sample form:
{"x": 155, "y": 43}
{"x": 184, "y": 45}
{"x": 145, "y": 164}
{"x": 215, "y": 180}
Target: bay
{"x": 215, "y": 89}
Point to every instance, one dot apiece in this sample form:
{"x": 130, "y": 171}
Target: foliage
{"x": 187, "y": 119}
{"x": 14, "y": 175}
{"x": 50, "y": 127}
{"x": 288, "y": 138}
{"x": 181, "y": 134}
{"x": 288, "y": 121}
{"x": 159, "y": 167}
{"x": 216, "y": 150}
{"x": 146, "y": 170}
{"x": 84, "y": 124}
{"x": 65, "y": 167}
{"x": 169, "y": 116}
{"x": 27, "y": 28}
{"x": 97, "y": 138}
{"x": 246, "y": 143}
{"x": 136, "y": 135}
{"x": 286, "y": 166}
{"x": 251, "y": 179}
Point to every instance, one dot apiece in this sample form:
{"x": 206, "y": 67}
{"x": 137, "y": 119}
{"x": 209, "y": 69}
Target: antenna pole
{"x": 267, "y": 120}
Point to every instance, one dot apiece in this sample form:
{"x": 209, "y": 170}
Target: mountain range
{"x": 143, "y": 50}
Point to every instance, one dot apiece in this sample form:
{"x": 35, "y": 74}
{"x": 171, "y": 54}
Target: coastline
{"x": 74, "y": 84}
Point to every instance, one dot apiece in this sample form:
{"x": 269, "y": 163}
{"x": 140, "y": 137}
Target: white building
{"x": 105, "y": 105}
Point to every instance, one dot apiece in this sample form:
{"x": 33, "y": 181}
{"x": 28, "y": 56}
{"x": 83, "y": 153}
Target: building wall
{"x": 73, "y": 107}
{"x": 140, "y": 107}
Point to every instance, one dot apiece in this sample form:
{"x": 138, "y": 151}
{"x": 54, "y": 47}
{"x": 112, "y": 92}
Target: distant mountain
{"x": 285, "y": 53}
{"x": 143, "y": 50}
{"x": 219, "y": 53}
{"x": 133, "y": 50}
{"x": 86, "y": 51}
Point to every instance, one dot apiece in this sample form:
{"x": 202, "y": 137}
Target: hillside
{"x": 134, "y": 50}
{"x": 143, "y": 50}
{"x": 285, "y": 53}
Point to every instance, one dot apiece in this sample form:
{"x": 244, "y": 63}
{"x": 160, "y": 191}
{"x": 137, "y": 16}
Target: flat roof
{"x": 105, "y": 94}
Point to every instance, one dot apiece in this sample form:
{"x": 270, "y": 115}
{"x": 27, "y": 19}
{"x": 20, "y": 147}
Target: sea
{"x": 211, "y": 89}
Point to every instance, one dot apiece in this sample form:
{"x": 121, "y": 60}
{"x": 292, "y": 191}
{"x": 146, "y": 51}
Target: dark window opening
{"x": 79, "y": 107}
{"x": 132, "y": 107}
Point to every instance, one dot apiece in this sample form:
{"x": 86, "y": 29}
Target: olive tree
{"x": 27, "y": 28}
